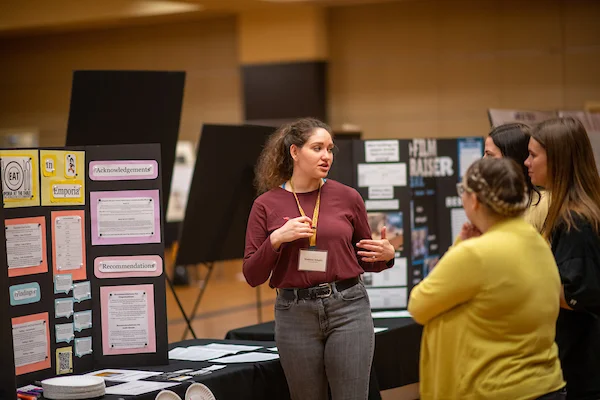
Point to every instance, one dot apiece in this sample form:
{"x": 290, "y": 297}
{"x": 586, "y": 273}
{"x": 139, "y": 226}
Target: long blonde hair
{"x": 573, "y": 179}
{"x": 275, "y": 164}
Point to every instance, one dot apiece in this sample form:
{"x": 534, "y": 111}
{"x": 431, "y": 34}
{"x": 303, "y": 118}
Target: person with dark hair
{"x": 561, "y": 160}
{"x": 511, "y": 140}
{"x": 490, "y": 305}
{"x": 323, "y": 325}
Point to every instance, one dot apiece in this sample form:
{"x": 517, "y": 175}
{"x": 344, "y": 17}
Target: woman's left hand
{"x": 376, "y": 250}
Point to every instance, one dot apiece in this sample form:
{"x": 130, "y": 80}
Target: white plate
{"x": 74, "y": 381}
{"x": 167, "y": 395}
{"x": 198, "y": 391}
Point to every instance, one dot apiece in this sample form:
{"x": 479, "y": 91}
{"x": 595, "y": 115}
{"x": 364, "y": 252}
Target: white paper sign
{"x": 66, "y": 191}
{"x": 395, "y": 276}
{"x": 130, "y": 265}
{"x": 24, "y": 245}
{"x": 382, "y": 151}
{"x": 63, "y": 283}
{"x": 83, "y": 346}
{"x": 387, "y": 297}
{"x": 457, "y": 219}
{"x": 68, "y": 242}
{"x": 17, "y": 178}
{"x": 63, "y": 308}
{"x": 381, "y": 192}
{"x": 82, "y": 291}
{"x": 82, "y": 320}
{"x": 64, "y": 333}
{"x": 126, "y": 217}
{"x": 30, "y": 343}
{"x": 382, "y": 204}
{"x": 393, "y": 174}
{"x": 115, "y": 169}
{"x": 128, "y": 319}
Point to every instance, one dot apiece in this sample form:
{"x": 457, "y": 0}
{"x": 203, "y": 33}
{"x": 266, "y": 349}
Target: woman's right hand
{"x": 469, "y": 231}
{"x": 293, "y": 229}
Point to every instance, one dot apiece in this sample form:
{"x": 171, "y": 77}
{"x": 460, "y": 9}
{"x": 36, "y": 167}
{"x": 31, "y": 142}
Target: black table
{"x": 245, "y": 381}
{"x": 396, "y": 358}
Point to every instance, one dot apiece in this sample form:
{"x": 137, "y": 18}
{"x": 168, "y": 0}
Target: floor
{"x": 229, "y": 303}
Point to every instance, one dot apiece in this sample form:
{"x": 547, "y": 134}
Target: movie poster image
{"x": 393, "y": 221}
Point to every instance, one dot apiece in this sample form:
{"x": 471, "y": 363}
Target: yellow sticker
{"x": 49, "y": 165}
{"x": 64, "y": 360}
{"x": 20, "y": 178}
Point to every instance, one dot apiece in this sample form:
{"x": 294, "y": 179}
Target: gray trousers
{"x": 326, "y": 341}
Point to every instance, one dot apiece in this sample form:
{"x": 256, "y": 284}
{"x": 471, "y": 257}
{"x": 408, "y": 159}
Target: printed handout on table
{"x": 123, "y": 375}
{"x": 137, "y": 388}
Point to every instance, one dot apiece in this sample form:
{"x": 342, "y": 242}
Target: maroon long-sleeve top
{"x": 342, "y": 223}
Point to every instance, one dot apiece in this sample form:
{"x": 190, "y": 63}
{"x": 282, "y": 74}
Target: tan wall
{"x": 432, "y": 68}
{"x": 36, "y": 72}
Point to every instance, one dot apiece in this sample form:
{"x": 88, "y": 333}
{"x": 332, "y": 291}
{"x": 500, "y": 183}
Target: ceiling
{"x": 30, "y": 17}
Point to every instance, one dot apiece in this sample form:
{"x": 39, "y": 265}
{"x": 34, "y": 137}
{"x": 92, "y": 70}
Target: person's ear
{"x": 475, "y": 203}
{"x": 294, "y": 152}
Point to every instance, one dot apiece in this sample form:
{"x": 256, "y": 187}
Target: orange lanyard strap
{"x": 313, "y": 238}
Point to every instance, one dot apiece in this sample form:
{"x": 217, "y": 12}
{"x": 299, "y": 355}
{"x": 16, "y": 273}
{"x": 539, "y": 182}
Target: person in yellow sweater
{"x": 490, "y": 305}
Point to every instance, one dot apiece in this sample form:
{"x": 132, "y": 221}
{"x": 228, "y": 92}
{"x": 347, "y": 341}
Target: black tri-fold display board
{"x": 409, "y": 186}
{"x": 83, "y": 265}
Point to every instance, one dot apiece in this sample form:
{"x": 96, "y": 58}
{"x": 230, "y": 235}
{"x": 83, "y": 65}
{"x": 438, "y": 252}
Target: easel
{"x": 220, "y": 202}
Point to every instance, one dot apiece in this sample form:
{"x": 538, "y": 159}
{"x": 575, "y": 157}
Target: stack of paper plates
{"x": 73, "y": 387}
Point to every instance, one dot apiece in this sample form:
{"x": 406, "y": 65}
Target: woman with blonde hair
{"x": 490, "y": 305}
{"x": 561, "y": 160}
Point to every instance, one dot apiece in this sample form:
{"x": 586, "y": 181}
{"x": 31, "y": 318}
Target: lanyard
{"x": 313, "y": 238}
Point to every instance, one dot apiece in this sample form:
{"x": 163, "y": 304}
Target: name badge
{"x": 312, "y": 260}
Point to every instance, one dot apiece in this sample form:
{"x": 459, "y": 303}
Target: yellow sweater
{"x": 489, "y": 309}
{"x": 537, "y": 212}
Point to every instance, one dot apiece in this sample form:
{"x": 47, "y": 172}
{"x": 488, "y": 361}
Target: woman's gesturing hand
{"x": 376, "y": 250}
{"x": 293, "y": 229}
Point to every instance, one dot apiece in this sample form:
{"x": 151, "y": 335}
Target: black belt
{"x": 318, "y": 292}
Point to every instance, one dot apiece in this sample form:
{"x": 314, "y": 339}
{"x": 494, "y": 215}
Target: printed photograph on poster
{"x": 429, "y": 264}
{"x": 128, "y": 266}
{"x": 125, "y": 217}
{"x": 63, "y": 177}
{"x": 395, "y": 276}
{"x": 82, "y": 320}
{"x": 64, "y": 360}
{"x": 393, "y": 221}
{"x": 83, "y": 346}
{"x": 382, "y": 151}
{"x": 387, "y": 298}
{"x": 26, "y": 293}
{"x": 123, "y": 170}
{"x": 419, "y": 243}
{"x": 128, "y": 321}
{"x": 68, "y": 243}
{"x": 469, "y": 151}
{"x": 26, "y": 246}
{"x": 392, "y": 174}
{"x": 19, "y": 178}
{"x": 31, "y": 343}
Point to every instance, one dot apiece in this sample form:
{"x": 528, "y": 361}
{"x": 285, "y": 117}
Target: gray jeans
{"x": 326, "y": 341}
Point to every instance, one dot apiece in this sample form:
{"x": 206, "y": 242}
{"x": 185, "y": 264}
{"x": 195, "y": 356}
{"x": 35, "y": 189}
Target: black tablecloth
{"x": 246, "y": 381}
{"x": 396, "y": 358}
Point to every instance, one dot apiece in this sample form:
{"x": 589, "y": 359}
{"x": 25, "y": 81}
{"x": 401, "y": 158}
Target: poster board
{"x": 410, "y": 186}
{"x": 53, "y": 285}
{"x": 504, "y": 116}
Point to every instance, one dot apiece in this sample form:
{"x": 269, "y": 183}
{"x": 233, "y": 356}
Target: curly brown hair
{"x": 275, "y": 164}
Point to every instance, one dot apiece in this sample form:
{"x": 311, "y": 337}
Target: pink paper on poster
{"x": 125, "y": 217}
{"x": 128, "y": 320}
{"x": 128, "y": 267}
{"x": 123, "y": 170}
